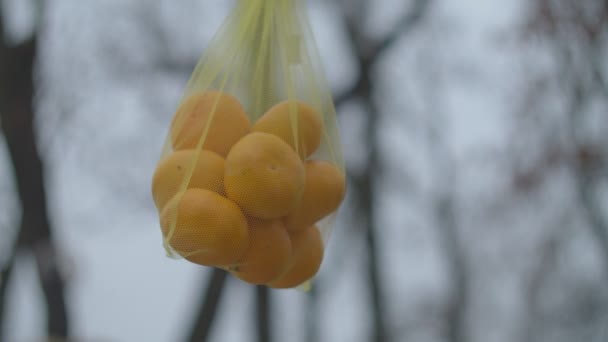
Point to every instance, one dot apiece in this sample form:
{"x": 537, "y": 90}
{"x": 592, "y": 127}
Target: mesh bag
{"x": 251, "y": 174}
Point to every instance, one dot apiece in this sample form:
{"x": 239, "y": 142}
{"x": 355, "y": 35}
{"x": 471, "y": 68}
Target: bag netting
{"x": 252, "y": 174}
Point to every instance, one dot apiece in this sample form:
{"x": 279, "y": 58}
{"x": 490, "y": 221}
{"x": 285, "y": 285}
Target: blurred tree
{"x": 368, "y": 51}
{"x": 17, "y": 114}
{"x": 563, "y": 117}
{"x": 575, "y": 34}
{"x": 203, "y": 321}
{"x": 262, "y": 314}
{"x": 443, "y": 208}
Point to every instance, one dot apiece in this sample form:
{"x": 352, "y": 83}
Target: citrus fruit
{"x": 267, "y": 255}
{"x": 324, "y": 190}
{"x": 305, "y": 260}
{"x": 205, "y": 228}
{"x": 219, "y": 115}
{"x": 297, "y": 123}
{"x": 264, "y": 176}
{"x": 171, "y": 172}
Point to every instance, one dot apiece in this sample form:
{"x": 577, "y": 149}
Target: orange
{"x": 267, "y": 255}
{"x": 293, "y": 122}
{"x": 209, "y": 229}
{"x": 264, "y": 176}
{"x": 305, "y": 261}
{"x": 208, "y": 174}
{"x": 222, "y": 112}
{"x": 324, "y": 190}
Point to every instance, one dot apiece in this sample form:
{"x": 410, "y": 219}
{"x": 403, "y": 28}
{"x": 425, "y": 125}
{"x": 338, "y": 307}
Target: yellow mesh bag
{"x": 251, "y": 175}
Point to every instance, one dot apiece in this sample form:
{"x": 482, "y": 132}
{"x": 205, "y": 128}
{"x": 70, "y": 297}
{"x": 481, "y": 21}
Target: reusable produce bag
{"x": 252, "y": 175}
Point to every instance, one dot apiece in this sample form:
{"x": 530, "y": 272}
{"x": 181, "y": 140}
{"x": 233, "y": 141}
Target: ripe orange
{"x": 171, "y": 172}
{"x": 297, "y": 123}
{"x": 267, "y": 255}
{"x": 305, "y": 261}
{"x": 264, "y": 176}
{"x": 205, "y": 228}
{"x": 223, "y": 114}
{"x": 324, "y": 190}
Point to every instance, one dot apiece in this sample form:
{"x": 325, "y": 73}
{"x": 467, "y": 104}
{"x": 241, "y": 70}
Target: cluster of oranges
{"x": 247, "y": 197}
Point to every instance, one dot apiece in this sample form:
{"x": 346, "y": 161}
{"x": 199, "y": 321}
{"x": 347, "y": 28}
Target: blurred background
{"x": 476, "y": 149}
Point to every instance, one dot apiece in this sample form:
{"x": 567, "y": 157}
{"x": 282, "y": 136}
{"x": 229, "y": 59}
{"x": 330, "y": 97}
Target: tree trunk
{"x": 208, "y": 307}
{"x": 312, "y": 314}
{"x": 263, "y": 313}
{"x": 35, "y": 234}
{"x": 368, "y": 200}
{"x": 450, "y": 241}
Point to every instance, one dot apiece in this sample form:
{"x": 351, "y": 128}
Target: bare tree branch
{"x": 597, "y": 223}
{"x": 17, "y": 90}
{"x": 7, "y": 269}
{"x": 51, "y": 280}
{"x": 581, "y": 73}
{"x": 312, "y": 314}
{"x": 548, "y": 251}
{"x": 345, "y": 96}
{"x": 367, "y": 198}
{"x": 5, "y": 278}
{"x": 405, "y": 25}
{"x": 581, "y": 76}
{"x": 596, "y": 59}
{"x": 201, "y": 327}
{"x": 443, "y": 206}
{"x": 2, "y": 32}
{"x": 584, "y": 169}
{"x": 263, "y": 313}
{"x": 367, "y": 51}
{"x": 166, "y": 61}
{"x": 450, "y": 240}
